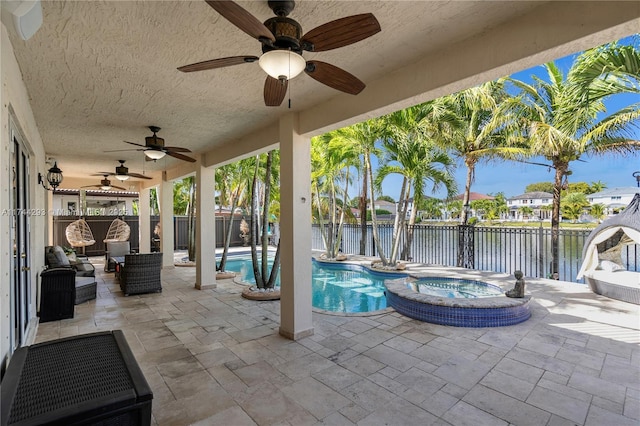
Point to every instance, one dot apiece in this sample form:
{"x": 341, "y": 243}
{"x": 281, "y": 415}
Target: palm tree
{"x": 567, "y": 118}
{"x": 597, "y": 211}
{"x": 525, "y": 211}
{"x": 413, "y": 154}
{"x": 330, "y": 177}
{"x": 573, "y": 205}
{"x": 480, "y": 127}
{"x": 597, "y": 187}
{"x": 362, "y": 138}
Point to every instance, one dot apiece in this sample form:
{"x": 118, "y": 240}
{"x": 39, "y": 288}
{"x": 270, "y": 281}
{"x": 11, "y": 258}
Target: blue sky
{"x": 512, "y": 178}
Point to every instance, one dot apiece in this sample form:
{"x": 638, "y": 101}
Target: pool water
{"x": 336, "y": 287}
{"x": 455, "y": 288}
{"x": 348, "y": 288}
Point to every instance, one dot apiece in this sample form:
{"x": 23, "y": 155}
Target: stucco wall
{"x": 17, "y": 113}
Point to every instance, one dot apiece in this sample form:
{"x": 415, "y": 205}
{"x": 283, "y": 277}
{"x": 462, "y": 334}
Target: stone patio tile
{"x": 536, "y": 345}
{"x": 367, "y": 394}
{"x": 357, "y": 326}
{"x": 403, "y": 344}
{"x": 508, "y": 384}
{"x": 252, "y": 352}
{"x": 391, "y": 385}
{"x": 589, "y": 359}
{"x": 373, "y": 337}
{"x": 432, "y": 355}
{"x": 305, "y": 366}
{"x": 520, "y": 370}
{"x": 161, "y": 343}
{"x": 398, "y": 412}
{"x": 337, "y": 343}
{"x": 439, "y": 403}
{"x": 463, "y": 414}
{"x": 632, "y": 407}
{"x": 418, "y": 336}
{"x": 227, "y": 379}
{"x": 421, "y": 381}
{"x": 621, "y": 373}
{"x": 504, "y": 407}
{"x": 392, "y": 357}
{"x": 564, "y": 368}
{"x": 599, "y": 417}
{"x": 257, "y": 373}
{"x": 336, "y": 377}
{"x": 267, "y": 405}
{"x": 461, "y": 372}
{"x": 315, "y": 397}
{"x": 192, "y": 409}
{"x": 216, "y": 357}
{"x": 354, "y": 412}
{"x": 595, "y": 386}
{"x": 190, "y": 384}
{"x": 560, "y": 404}
{"x": 255, "y": 332}
{"x": 362, "y": 365}
{"x": 231, "y": 416}
{"x": 180, "y": 367}
{"x": 499, "y": 340}
{"x": 608, "y": 405}
{"x": 336, "y": 419}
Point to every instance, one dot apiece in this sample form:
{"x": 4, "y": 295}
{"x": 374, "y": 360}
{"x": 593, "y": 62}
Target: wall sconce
{"x": 54, "y": 178}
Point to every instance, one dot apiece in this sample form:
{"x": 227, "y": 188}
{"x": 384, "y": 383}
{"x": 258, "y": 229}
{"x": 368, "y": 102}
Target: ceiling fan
{"x": 282, "y": 45}
{"x": 122, "y": 173}
{"x": 154, "y": 148}
{"x": 105, "y": 185}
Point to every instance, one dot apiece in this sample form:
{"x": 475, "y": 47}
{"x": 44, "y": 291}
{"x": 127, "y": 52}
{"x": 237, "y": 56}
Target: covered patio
{"x": 96, "y": 74}
{"x": 212, "y": 357}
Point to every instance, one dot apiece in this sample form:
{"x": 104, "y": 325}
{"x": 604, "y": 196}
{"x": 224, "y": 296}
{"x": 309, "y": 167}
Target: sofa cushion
{"x": 56, "y": 257}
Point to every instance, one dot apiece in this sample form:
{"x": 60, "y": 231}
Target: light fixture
{"x": 54, "y": 178}
{"x": 105, "y": 187}
{"x": 122, "y": 172}
{"x": 637, "y": 176}
{"x": 282, "y": 64}
{"x": 155, "y": 154}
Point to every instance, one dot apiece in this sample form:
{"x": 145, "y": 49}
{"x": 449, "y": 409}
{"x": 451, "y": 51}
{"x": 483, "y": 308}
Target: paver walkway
{"x": 213, "y": 358}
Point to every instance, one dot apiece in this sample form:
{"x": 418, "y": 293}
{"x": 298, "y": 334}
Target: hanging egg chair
{"x": 79, "y": 234}
{"x": 119, "y": 230}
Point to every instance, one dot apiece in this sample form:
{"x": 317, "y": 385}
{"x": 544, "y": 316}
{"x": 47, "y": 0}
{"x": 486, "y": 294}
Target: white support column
{"x": 166, "y": 223}
{"x": 144, "y": 222}
{"x": 295, "y": 231}
{"x": 205, "y": 227}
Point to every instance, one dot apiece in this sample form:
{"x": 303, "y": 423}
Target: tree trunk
{"x": 406, "y": 252}
{"x": 561, "y": 169}
{"x": 363, "y": 215}
{"x": 398, "y": 223}
{"x": 254, "y": 226}
{"x": 374, "y": 221}
{"x": 227, "y": 240}
{"x": 467, "y": 192}
{"x": 265, "y": 221}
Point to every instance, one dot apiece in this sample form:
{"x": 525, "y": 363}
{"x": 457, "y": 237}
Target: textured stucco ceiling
{"x": 99, "y": 73}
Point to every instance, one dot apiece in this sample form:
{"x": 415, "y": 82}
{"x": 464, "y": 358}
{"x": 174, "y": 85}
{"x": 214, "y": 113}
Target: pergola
{"x": 99, "y": 73}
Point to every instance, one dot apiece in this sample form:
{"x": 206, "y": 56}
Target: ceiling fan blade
{"x": 133, "y": 143}
{"x": 122, "y": 150}
{"x": 274, "y": 91}
{"x": 181, "y": 157}
{"x": 105, "y": 174}
{"x": 334, "y": 77}
{"x": 216, "y": 63}
{"x": 242, "y": 19}
{"x": 341, "y": 32}
{"x": 139, "y": 176}
{"x": 91, "y": 186}
{"x": 175, "y": 149}
{"x": 117, "y": 187}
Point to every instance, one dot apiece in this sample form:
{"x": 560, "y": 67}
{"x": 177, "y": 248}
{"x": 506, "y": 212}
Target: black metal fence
{"x": 493, "y": 249}
{"x": 99, "y": 226}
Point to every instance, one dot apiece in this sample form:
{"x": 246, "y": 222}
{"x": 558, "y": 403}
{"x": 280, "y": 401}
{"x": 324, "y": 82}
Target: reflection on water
{"x": 454, "y": 288}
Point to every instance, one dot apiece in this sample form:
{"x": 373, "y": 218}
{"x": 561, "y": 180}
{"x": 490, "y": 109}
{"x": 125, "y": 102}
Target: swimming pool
{"x": 336, "y": 287}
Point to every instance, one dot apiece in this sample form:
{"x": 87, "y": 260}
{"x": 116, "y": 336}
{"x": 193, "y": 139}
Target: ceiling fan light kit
{"x": 282, "y": 64}
{"x": 155, "y": 154}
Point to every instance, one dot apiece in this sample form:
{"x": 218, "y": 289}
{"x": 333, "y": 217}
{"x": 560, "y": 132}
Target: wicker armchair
{"x": 115, "y": 249}
{"x": 141, "y": 273}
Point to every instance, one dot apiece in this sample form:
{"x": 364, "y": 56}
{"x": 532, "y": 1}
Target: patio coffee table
{"x": 82, "y": 380}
